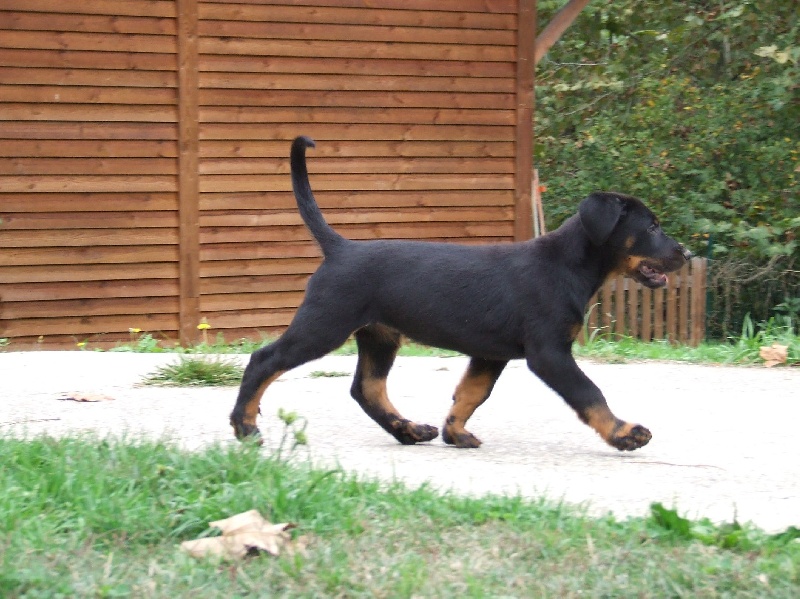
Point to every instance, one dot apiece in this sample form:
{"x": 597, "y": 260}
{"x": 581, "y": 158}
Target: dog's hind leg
{"x": 474, "y": 389}
{"x": 313, "y": 333}
{"x": 377, "y": 348}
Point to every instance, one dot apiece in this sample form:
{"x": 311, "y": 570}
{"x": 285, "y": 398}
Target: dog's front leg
{"x": 560, "y": 372}
{"x": 472, "y": 391}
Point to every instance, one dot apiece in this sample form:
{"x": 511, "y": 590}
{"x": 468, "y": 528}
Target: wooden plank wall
{"x": 676, "y": 313}
{"x": 412, "y": 105}
{"x": 421, "y": 112}
{"x": 89, "y": 232}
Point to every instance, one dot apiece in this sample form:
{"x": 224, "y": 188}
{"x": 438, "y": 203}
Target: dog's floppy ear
{"x": 599, "y": 214}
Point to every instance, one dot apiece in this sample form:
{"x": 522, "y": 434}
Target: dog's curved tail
{"x": 326, "y": 237}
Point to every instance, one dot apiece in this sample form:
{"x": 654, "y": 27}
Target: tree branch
{"x": 556, "y": 27}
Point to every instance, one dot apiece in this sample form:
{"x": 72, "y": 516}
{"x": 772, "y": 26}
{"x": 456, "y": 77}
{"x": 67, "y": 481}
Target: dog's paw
{"x": 463, "y": 440}
{"x": 409, "y": 433}
{"x": 244, "y": 432}
{"x": 628, "y": 437}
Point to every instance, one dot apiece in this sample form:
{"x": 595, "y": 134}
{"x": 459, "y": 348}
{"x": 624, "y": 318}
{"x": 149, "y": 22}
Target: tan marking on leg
{"x": 387, "y": 334}
{"x": 375, "y": 393}
{"x": 602, "y": 420}
{"x": 621, "y": 435}
{"x": 373, "y": 388}
{"x": 470, "y": 393}
{"x": 253, "y": 406}
{"x": 381, "y": 408}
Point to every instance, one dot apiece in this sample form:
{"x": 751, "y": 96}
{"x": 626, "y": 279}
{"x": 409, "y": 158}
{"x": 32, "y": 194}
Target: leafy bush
{"x": 695, "y": 108}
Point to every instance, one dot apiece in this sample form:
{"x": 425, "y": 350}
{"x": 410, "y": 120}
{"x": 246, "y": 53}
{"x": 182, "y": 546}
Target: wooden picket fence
{"x": 676, "y": 312}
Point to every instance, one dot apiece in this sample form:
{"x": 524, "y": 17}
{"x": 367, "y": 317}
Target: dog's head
{"x": 630, "y": 233}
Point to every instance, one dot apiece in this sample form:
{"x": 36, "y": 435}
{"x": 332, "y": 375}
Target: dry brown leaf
{"x": 82, "y": 396}
{"x": 774, "y": 355}
{"x": 243, "y": 534}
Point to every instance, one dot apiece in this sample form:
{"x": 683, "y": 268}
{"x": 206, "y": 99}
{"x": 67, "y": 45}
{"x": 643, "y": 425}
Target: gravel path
{"x": 725, "y": 440}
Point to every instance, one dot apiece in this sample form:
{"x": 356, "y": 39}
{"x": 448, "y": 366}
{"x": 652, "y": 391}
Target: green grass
{"x": 624, "y": 349}
{"x": 147, "y": 343}
{"x": 197, "y": 372}
{"x": 83, "y": 517}
{"x": 321, "y": 374}
{"x": 742, "y": 350}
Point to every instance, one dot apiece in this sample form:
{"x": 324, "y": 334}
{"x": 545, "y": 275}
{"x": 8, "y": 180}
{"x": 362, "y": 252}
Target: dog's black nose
{"x": 687, "y": 255}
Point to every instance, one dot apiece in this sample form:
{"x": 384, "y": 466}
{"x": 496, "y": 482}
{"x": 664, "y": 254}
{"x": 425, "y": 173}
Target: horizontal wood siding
{"x": 414, "y": 112}
{"x": 88, "y": 167}
{"x": 144, "y": 174}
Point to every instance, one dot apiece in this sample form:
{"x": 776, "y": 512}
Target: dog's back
{"x": 450, "y": 283}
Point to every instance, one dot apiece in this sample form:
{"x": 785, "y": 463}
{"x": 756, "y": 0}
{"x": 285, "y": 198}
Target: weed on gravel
{"x": 327, "y": 374}
{"x": 87, "y": 517}
{"x": 197, "y": 372}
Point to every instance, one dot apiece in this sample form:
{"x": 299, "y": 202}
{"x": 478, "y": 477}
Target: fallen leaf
{"x": 774, "y": 355}
{"x": 242, "y": 535}
{"x": 85, "y": 397}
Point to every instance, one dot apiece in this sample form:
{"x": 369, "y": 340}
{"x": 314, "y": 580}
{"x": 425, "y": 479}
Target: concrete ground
{"x": 725, "y": 441}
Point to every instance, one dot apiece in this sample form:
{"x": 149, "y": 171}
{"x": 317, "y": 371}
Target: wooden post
{"x": 633, "y": 308}
{"x": 672, "y": 313}
{"x": 619, "y": 307}
{"x": 536, "y": 200}
{"x": 523, "y": 167}
{"x": 647, "y": 315}
{"x": 188, "y": 183}
{"x": 698, "y": 316}
{"x": 591, "y": 326}
{"x": 605, "y": 310}
{"x": 684, "y": 283}
{"x": 658, "y": 313}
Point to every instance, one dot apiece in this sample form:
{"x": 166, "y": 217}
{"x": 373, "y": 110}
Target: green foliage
{"x": 321, "y": 374}
{"x": 742, "y": 350}
{"x": 294, "y": 427}
{"x": 694, "y": 107}
{"x": 754, "y": 336}
{"x": 731, "y": 535}
{"x": 87, "y": 517}
{"x": 197, "y": 372}
{"x": 144, "y": 343}
{"x": 220, "y": 346}
{"x": 790, "y": 309}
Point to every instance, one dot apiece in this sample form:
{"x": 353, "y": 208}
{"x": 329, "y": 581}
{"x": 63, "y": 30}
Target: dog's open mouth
{"x": 651, "y": 277}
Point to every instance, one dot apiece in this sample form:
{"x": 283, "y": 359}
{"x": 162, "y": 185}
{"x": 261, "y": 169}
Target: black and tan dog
{"x": 494, "y": 303}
